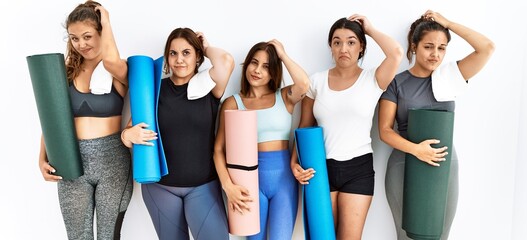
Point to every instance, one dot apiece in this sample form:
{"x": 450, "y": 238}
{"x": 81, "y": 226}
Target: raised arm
{"x": 390, "y": 47}
{"x": 298, "y": 89}
{"x": 110, "y": 54}
{"x": 222, "y": 65}
{"x": 237, "y": 196}
{"x": 483, "y": 47}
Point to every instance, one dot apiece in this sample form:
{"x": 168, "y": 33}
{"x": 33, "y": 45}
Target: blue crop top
{"x": 91, "y": 105}
{"x": 274, "y": 123}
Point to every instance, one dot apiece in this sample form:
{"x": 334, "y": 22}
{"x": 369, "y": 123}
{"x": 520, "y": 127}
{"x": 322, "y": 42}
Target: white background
{"x": 490, "y": 133}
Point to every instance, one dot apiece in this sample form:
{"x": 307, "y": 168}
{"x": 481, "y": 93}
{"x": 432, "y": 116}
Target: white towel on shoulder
{"x": 447, "y": 82}
{"x": 101, "y": 80}
{"x": 200, "y": 85}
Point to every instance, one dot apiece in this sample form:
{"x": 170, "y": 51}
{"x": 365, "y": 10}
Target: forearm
{"x": 43, "y": 157}
{"x": 219, "y": 57}
{"x": 221, "y": 168}
{"x": 389, "y": 46}
{"x": 298, "y": 75}
{"x": 393, "y": 139}
{"x": 478, "y": 41}
{"x": 110, "y": 54}
{"x": 125, "y": 138}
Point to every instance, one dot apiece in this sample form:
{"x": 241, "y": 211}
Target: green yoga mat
{"x": 50, "y": 87}
{"x": 425, "y": 186}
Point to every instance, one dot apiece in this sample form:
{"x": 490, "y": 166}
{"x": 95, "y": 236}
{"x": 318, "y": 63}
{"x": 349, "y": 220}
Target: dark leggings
{"x": 174, "y": 209}
{"x": 106, "y": 186}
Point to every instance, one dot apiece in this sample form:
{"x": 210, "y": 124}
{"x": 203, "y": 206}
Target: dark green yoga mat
{"x": 50, "y": 87}
{"x": 425, "y": 186}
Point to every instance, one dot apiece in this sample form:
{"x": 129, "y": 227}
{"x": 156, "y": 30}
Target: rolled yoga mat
{"x": 50, "y": 87}
{"x": 241, "y": 146}
{"x": 318, "y": 216}
{"x": 425, "y": 186}
{"x": 144, "y": 76}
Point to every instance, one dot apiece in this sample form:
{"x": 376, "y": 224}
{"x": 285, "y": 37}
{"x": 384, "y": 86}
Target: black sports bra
{"x": 91, "y": 105}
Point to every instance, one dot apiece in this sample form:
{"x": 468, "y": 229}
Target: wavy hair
{"x": 84, "y": 12}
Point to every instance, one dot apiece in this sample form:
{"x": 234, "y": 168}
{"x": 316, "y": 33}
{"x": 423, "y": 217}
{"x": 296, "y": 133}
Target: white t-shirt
{"x": 345, "y": 116}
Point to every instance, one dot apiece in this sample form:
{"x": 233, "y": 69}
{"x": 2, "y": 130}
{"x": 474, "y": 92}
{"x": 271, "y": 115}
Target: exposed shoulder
{"x": 229, "y": 104}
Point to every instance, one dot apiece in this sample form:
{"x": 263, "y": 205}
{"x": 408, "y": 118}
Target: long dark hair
{"x": 275, "y": 67}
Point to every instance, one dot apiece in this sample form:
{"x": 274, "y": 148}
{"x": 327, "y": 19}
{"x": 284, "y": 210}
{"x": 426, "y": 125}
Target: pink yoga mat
{"x": 241, "y": 142}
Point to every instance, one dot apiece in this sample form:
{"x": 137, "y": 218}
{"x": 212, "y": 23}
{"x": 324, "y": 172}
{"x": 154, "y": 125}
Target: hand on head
{"x": 204, "y": 40}
{"x": 363, "y": 21}
{"x": 436, "y": 17}
{"x": 278, "y": 46}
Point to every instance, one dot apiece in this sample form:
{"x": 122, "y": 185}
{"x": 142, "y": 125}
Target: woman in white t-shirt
{"x": 427, "y": 40}
{"x": 342, "y": 101}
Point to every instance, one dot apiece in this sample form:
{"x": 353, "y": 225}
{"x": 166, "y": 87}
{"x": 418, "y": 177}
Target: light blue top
{"x": 274, "y": 123}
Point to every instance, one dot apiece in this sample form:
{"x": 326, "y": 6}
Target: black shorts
{"x": 352, "y": 176}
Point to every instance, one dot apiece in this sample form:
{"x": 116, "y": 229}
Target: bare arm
{"x": 423, "y": 151}
{"x": 111, "y": 58}
{"x": 237, "y": 196}
{"x": 298, "y": 89}
{"x": 307, "y": 119}
{"x": 46, "y": 169}
{"x": 483, "y": 47}
{"x": 390, "y": 47}
{"x": 222, "y": 65}
{"x": 138, "y": 134}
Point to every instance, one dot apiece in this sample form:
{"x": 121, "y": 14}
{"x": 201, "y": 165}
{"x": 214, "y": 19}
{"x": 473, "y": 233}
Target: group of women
{"x": 342, "y": 100}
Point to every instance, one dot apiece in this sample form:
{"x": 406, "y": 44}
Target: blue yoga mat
{"x": 318, "y": 216}
{"x": 144, "y": 76}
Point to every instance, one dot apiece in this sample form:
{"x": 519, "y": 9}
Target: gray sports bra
{"x": 91, "y": 105}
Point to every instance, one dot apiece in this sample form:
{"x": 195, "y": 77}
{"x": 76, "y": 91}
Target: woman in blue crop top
{"x": 189, "y": 196}
{"x": 106, "y": 185}
{"x": 260, "y": 90}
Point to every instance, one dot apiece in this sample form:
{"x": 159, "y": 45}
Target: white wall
{"x": 488, "y": 133}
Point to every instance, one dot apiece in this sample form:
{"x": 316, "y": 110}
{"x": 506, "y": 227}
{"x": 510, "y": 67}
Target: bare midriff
{"x": 96, "y": 127}
{"x": 273, "y": 146}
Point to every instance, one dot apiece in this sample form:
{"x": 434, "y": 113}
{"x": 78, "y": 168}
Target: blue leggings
{"x": 278, "y": 196}
{"x": 174, "y": 209}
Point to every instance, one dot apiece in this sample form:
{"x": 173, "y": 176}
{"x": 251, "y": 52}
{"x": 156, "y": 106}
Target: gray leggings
{"x": 106, "y": 186}
{"x": 176, "y": 209}
{"x": 394, "y": 192}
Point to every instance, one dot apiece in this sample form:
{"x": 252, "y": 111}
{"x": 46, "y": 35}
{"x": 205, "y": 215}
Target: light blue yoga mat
{"x": 318, "y": 216}
{"x": 144, "y": 76}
